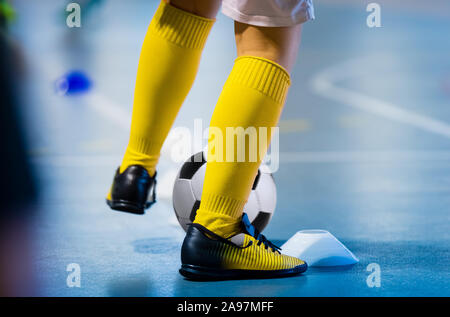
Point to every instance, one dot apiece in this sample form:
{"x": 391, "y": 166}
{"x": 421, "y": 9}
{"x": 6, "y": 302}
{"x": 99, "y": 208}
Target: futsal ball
{"x": 187, "y": 193}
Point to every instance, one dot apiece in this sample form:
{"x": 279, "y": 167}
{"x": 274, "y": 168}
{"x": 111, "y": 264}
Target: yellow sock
{"x": 253, "y": 96}
{"x": 167, "y": 68}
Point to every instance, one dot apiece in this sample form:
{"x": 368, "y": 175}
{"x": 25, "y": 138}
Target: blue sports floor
{"x": 364, "y": 142}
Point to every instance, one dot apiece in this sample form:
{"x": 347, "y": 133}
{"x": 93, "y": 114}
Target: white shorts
{"x": 273, "y": 13}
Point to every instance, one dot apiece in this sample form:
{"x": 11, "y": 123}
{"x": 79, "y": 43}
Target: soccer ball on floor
{"x": 187, "y": 192}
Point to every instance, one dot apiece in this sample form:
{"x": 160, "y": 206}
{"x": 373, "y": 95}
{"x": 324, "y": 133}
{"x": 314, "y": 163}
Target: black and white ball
{"x": 187, "y": 192}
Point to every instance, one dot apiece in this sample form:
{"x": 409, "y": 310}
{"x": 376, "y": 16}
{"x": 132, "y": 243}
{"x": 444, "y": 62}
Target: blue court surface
{"x": 364, "y": 150}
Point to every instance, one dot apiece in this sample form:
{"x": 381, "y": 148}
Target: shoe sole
{"x": 194, "y": 272}
{"x": 128, "y": 206}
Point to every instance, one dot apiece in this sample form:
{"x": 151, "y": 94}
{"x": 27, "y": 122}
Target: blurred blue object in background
{"x": 73, "y": 82}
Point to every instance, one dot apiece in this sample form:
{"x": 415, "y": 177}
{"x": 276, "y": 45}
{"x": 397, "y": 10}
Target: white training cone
{"x": 318, "y": 248}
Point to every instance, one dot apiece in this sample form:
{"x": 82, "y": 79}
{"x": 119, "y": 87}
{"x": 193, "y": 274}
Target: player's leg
{"x": 253, "y": 97}
{"x": 222, "y": 243}
{"x": 277, "y": 44}
{"x": 167, "y": 68}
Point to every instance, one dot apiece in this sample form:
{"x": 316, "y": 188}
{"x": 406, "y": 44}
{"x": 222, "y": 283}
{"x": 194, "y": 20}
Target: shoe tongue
{"x": 238, "y": 239}
{"x": 248, "y": 225}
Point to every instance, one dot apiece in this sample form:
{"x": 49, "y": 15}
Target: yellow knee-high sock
{"x": 252, "y": 98}
{"x": 167, "y": 68}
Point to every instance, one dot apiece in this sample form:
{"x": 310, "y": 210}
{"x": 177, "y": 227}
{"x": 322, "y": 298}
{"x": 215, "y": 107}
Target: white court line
{"x": 324, "y": 84}
{"x": 285, "y": 157}
{"x": 110, "y": 110}
{"x": 363, "y": 156}
{"x": 165, "y": 180}
{"x": 77, "y": 160}
{"x": 117, "y": 114}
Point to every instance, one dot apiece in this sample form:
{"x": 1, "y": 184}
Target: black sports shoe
{"x": 132, "y": 191}
{"x": 206, "y": 256}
